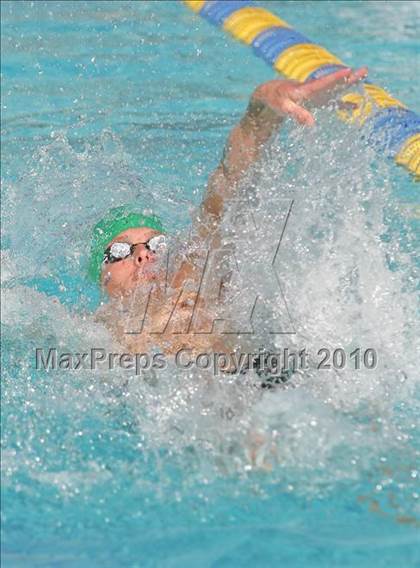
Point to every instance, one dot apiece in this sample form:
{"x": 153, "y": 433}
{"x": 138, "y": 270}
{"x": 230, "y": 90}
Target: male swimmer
{"x": 127, "y": 245}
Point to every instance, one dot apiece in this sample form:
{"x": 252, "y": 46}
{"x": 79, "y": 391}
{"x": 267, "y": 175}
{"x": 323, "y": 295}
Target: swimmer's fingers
{"x": 311, "y": 88}
{"x": 357, "y": 75}
{"x": 341, "y": 78}
{"x": 290, "y": 108}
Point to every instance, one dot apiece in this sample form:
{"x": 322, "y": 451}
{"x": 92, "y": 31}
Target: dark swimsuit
{"x": 269, "y": 379}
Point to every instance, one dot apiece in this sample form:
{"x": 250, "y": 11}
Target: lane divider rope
{"x": 395, "y": 129}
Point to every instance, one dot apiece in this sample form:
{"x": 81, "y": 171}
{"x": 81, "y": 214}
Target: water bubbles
{"x": 334, "y": 268}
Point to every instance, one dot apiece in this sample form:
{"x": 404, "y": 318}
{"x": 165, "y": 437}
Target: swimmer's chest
{"x": 184, "y": 321}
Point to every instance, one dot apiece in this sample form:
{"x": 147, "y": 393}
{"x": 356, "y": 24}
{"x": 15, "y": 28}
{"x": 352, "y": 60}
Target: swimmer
{"x": 127, "y": 245}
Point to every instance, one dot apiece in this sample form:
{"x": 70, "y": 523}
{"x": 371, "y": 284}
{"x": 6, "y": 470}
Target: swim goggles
{"x": 120, "y": 251}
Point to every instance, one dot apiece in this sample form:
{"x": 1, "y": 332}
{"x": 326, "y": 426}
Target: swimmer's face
{"x": 120, "y": 278}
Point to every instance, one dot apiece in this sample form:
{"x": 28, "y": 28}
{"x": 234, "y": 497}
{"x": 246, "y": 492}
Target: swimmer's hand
{"x": 286, "y": 98}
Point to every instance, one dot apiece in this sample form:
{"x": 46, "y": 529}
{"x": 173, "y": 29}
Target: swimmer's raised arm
{"x": 270, "y": 103}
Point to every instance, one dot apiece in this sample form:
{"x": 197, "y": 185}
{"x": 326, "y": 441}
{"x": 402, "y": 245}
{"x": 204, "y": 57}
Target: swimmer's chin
{"x": 148, "y": 273}
{"x": 145, "y": 278}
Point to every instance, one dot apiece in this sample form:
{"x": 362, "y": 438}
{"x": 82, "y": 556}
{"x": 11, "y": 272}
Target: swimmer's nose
{"x": 141, "y": 255}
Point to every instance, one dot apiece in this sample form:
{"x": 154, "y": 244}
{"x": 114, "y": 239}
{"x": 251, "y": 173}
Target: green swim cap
{"x": 116, "y": 221}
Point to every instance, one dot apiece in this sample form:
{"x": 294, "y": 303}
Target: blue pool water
{"x": 111, "y": 102}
